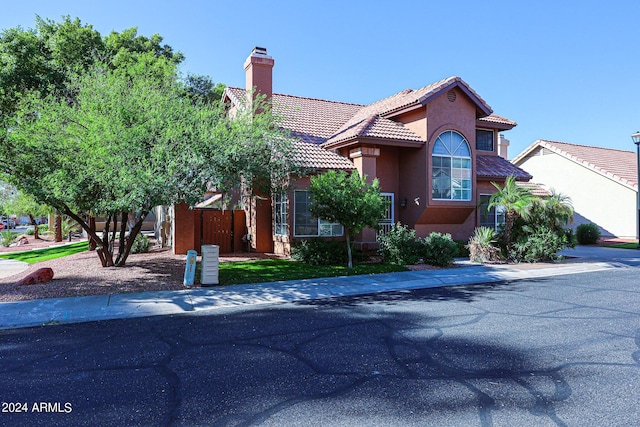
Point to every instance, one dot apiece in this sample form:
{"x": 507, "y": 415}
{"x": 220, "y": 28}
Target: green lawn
{"x": 38, "y": 255}
{"x": 631, "y": 245}
{"x": 273, "y": 270}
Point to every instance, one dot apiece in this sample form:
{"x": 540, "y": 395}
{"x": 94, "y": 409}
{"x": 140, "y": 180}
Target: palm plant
{"x": 559, "y": 210}
{"x": 482, "y": 246}
{"x": 516, "y": 201}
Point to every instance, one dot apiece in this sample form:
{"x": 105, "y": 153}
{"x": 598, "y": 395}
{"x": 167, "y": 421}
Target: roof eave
{"x": 503, "y": 177}
{"x": 459, "y": 83}
{"x": 527, "y": 151}
{"x": 495, "y": 125}
{"x": 351, "y": 142}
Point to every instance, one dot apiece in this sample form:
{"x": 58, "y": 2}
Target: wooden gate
{"x": 216, "y": 228}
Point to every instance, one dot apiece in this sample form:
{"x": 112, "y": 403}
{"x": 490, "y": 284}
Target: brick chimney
{"x": 258, "y": 69}
{"x": 503, "y": 146}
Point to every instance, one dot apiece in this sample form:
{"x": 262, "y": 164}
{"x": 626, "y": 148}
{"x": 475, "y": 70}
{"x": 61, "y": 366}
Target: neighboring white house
{"x": 601, "y": 182}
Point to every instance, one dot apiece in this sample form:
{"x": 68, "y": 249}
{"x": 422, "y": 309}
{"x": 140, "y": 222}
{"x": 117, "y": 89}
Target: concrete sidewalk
{"x": 9, "y": 267}
{"x": 104, "y": 307}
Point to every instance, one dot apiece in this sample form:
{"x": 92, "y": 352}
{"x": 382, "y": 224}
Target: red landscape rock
{"x": 41, "y": 275}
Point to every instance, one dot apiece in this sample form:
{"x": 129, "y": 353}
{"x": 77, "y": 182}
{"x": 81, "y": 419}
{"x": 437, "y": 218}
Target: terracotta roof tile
{"x": 374, "y": 127}
{"x": 319, "y": 121}
{"x": 312, "y": 120}
{"x": 312, "y": 156}
{"x": 498, "y": 167}
{"x": 499, "y": 120}
{"x": 315, "y": 122}
{"x": 535, "y": 189}
{"x": 618, "y": 165}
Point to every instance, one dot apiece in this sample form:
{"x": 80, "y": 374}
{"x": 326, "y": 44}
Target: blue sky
{"x": 564, "y": 70}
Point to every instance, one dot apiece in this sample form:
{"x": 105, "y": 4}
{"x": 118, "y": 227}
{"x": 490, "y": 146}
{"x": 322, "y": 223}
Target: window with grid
{"x": 484, "y": 140}
{"x": 492, "y": 218}
{"x": 307, "y": 225}
{"x": 280, "y": 215}
{"x": 451, "y": 167}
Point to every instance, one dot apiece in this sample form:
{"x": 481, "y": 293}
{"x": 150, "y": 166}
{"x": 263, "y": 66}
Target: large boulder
{"x": 41, "y": 275}
{"x": 20, "y": 240}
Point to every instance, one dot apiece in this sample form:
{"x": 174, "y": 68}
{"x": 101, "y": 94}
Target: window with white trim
{"x": 492, "y": 218}
{"x": 281, "y": 214}
{"x": 307, "y": 225}
{"x": 386, "y": 224}
{"x": 451, "y": 167}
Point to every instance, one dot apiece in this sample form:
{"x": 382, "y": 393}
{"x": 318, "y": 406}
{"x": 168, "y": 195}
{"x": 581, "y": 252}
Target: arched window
{"x": 451, "y": 171}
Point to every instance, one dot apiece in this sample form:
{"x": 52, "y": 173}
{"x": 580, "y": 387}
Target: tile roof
{"x": 503, "y": 122}
{"x": 312, "y": 156}
{"x": 363, "y": 124}
{"x": 410, "y": 97}
{"x": 535, "y": 189}
{"x": 312, "y": 120}
{"x": 317, "y": 122}
{"x": 618, "y": 165}
{"x": 497, "y": 167}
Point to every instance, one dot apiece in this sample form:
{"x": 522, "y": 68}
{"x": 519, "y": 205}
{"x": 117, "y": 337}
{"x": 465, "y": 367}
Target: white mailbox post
{"x": 210, "y": 259}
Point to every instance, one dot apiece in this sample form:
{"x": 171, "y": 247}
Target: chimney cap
{"x": 257, "y": 50}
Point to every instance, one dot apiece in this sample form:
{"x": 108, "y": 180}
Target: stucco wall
{"x": 595, "y": 198}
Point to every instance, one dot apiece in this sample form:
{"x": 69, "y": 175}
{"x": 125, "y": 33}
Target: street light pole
{"x": 636, "y": 140}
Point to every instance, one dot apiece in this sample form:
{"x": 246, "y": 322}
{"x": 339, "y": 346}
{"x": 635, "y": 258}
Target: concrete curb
{"x": 107, "y": 307}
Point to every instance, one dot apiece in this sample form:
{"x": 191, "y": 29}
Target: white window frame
{"x": 281, "y": 214}
{"x": 498, "y": 211}
{"x": 385, "y": 225}
{"x": 454, "y": 170}
{"x": 334, "y": 229}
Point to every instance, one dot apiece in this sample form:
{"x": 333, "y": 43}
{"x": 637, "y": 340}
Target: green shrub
{"x": 438, "y": 249}
{"x": 540, "y": 244}
{"x": 7, "y": 238}
{"x": 463, "y": 250}
{"x": 320, "y": 251}
{"x": 30, "y": 231}
{"x": 140, "y": 244}
{"x": 43, "y": 228}
{"x": 483, "y": 246}
{"x": 399, "y": 246}
{"x": 588, "y": 234}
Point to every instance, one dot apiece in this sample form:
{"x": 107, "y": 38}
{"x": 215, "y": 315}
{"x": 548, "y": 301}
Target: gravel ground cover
{"x": 82, "y": 274}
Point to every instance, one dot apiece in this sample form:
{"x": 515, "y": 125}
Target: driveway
{"x": 629, "y": 257}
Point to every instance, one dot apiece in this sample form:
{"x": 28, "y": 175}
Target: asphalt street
{"x": 558, "y": 351}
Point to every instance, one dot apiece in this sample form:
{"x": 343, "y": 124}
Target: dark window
{"x": 484, "y": 140}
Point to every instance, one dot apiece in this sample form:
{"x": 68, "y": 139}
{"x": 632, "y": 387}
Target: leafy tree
{"x": 114, "y": 138}
{"x": 202, "y": 88}
{"x": 516, "y": 202}
{"x": 24, "y": 204}
{"x": 347, "y": 200}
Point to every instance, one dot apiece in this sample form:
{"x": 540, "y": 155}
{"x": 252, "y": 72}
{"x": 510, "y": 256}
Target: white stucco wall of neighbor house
{"x": 596, "y": 198}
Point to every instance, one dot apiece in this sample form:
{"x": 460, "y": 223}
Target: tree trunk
{"x": 93, "y": 243}
{"x": 122, "y": 256}
{"x": 349, "y": 257}
{"x": 510, "y": 219}
{"x": 103, "y": 251}
{"x": 36, "y": 235}
{"x": 57, "y": 227}
{"x": 122, "y": 241}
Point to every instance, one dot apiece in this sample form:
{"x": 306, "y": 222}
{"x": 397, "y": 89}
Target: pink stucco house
{"x": 435, "y": 151}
